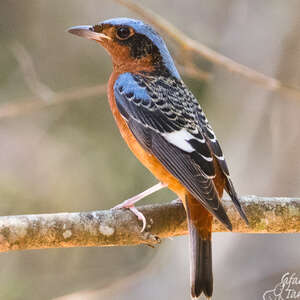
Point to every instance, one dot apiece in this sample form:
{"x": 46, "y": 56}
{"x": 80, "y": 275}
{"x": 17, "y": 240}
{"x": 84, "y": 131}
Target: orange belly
{"x": 146, "y": 158}
{"x": 199, "y": 215}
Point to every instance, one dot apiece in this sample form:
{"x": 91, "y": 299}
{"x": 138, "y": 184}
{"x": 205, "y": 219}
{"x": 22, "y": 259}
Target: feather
{"x": 167, "y": 120}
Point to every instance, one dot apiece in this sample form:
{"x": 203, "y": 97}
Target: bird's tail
{"x": 201, "y": 275}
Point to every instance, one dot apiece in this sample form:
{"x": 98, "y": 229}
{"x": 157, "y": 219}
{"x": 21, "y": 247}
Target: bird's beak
{"x": 88, "y": 32}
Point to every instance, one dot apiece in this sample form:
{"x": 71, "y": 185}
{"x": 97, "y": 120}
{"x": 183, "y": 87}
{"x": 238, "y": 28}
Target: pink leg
{"x": 129, "y": 203}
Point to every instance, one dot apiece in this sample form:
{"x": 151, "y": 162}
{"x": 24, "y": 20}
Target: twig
{"x": 120, "y": 227}
{"x": 192, "y": 71}
{"x": 188, "y": 44}
{"x": 27, "y": 66}
{"x": 29, "y": 105}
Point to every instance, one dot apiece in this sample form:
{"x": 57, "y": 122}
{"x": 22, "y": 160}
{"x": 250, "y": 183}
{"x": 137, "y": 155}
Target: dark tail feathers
{"x": 200, "y": 264}
{"x": 232, "y": 193}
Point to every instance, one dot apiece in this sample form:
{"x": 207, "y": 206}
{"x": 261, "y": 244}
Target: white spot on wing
{"x": 214, "y": 139}
{"x": 180, "y": 139}
{"x": 206, "y": 158}
{"x": 219, "y": 157}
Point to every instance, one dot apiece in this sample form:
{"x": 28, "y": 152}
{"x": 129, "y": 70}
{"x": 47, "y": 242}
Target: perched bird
{"x": 165, "y": 127}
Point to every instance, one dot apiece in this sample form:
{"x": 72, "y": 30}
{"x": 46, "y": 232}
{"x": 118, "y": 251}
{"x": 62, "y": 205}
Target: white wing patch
{"x": 180, "y": 139}
{"x": 219, "y": 157}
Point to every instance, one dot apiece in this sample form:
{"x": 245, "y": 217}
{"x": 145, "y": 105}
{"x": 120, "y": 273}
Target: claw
{"x": 135, "y": 211}
{"x": 140, "y": 216}
{"x": 129, "y": 203}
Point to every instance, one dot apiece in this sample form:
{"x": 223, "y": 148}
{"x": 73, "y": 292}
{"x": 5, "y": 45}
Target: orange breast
{"x": 146, "y": 158}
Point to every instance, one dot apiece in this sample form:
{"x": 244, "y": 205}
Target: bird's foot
{"x": 140, "y": 216}
{"x": 128, "y": 204}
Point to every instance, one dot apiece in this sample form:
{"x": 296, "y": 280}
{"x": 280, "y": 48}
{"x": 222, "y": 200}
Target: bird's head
{"x": 133, "y": 45}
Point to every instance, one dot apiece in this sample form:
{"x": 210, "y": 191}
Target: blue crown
{"x": 148, "y": 31}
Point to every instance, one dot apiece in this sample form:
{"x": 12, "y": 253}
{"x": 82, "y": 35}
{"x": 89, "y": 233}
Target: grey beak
{"x": 88, "y": 32}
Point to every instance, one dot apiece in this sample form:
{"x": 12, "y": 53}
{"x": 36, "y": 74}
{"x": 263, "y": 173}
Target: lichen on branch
{"x": 120, "y": 227}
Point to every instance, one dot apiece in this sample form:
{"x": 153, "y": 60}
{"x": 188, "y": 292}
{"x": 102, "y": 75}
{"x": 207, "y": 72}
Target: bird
{"x": 165, "y": 127}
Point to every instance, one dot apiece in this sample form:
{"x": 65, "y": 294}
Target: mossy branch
{"x": 121, "y": 227}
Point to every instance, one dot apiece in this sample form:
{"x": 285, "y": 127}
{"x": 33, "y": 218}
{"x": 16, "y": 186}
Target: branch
{"x": 196, "y": 48}
{"x": 16, "y": 108}
{"x": 42, "y": 91}
{"x": 31, "y": 78}
{"x": 120, "y": 227}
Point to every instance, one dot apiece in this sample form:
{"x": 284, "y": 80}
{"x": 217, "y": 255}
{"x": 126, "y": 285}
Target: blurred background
{"x": 70, "y": 157}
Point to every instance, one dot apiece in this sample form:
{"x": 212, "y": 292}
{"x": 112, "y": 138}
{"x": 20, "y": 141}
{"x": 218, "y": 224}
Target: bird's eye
{"x": 124, "y": 32}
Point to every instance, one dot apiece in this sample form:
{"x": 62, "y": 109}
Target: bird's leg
{"x": 129, "y": 203}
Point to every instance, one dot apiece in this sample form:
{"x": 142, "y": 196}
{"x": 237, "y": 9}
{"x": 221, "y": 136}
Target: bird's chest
{"x": 146, "y": 158}
{"x": 129, "y": 138}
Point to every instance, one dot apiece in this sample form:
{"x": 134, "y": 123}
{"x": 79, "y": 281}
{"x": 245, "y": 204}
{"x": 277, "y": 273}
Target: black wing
{"x": 218, "y": 154}
{"x": 162, "y": 114}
